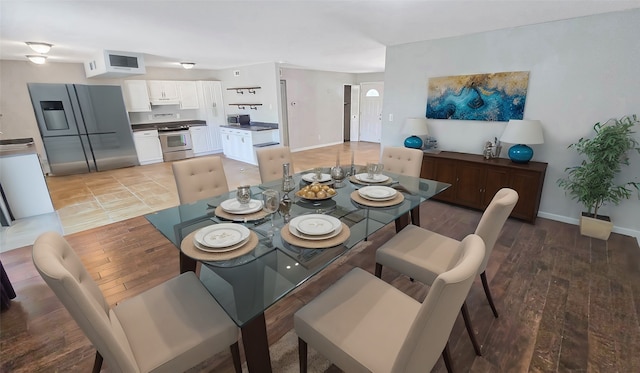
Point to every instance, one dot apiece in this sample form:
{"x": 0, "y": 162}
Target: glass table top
{"x": 246, "y": 286}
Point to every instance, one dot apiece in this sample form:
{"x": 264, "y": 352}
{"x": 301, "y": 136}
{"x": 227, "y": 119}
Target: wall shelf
{"x": 244, "y": 106}
{"x": 240, "y": 90}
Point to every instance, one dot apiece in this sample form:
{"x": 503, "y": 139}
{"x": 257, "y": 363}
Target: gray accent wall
{"x": 582, "y": 71}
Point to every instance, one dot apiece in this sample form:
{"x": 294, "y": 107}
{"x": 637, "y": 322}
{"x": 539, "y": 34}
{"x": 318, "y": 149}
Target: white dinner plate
{"x": 294, "y": 231}
{"x": 232, "y": 206}
{"x": 376, "y": 178}
{"x": 377, "y": 193}
{"x": 315, "y": 224}
{"x": 310, "y": 177}
{"x": 221, "y": 235}
{"x": 220, "y": 249}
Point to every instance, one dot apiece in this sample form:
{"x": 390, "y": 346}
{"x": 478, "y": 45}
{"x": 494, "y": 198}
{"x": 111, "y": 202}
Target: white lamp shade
{"x": 523, "y": 132}
{"x": 415, "y": 127}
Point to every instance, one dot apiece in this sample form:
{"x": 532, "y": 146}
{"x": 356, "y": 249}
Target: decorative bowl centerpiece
{"x": 316, "y": 192}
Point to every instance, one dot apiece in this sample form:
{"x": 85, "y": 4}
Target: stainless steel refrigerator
{"x": 84, "y": 128}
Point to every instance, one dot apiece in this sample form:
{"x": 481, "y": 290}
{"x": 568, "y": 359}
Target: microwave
{"x": 241, "y": 119}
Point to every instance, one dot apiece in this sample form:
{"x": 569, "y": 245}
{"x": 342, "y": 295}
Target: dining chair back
{"x": 493, "y": 219}
{"x": 152, "y": 331}
{"x": 402, "y": 161}
{"x": 363, "y": 324}
{"x": 270, "y": 161}
{"x": 430, "y": 331}
{"x": 199, "y": 178}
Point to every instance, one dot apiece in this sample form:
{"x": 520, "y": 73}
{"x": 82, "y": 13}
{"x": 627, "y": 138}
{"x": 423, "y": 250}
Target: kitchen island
{"x": 240, "y": 142}
{"x": 24, "y": 188}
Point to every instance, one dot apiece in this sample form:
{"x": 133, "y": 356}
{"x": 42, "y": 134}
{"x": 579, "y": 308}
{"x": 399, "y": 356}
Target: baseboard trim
{"x": 575, "y": 221}
{"x": 316, "y": 146}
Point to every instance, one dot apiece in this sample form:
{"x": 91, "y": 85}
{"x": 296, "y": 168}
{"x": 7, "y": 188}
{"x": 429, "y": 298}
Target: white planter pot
{"x": 596, "y": 228}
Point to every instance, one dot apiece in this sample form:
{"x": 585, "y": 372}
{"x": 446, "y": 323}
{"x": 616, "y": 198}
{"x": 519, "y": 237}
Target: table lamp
{"x": 522, "y": 132}
{"x": 415, "y": 127}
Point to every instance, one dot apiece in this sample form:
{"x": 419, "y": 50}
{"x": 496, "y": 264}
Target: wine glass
{"x": 271, "y": 199}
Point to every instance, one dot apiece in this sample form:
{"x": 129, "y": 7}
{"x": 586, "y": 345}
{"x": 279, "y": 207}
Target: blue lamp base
{"x": 520, "y": 153}
{"x": 413, "y": 142}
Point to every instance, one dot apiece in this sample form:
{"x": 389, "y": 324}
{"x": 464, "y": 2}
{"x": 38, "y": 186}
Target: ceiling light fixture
{"x": 188, "y": 65}
{"x": 39, "y": 47}
{"x": 39, "y": 60}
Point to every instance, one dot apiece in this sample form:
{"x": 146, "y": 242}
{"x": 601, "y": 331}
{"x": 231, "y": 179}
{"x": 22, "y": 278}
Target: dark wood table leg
{"x": 256, "y": 345}
{"x": 415, "y": 216}
{"x": 187, "y": 264}
{"x": 402, "y": 222}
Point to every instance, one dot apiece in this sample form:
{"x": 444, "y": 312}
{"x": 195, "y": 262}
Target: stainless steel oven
{"x": 176, "y": 143}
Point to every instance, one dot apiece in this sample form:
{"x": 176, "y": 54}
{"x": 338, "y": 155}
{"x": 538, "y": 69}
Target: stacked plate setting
{"x": 219, "y": 238}
{"x": 311, "y": 177}
{"x": 315, "y": 227}
{"x": 380, "y": 178}
{"x": 232, "y": 206}
{"x": 377, "y": 193}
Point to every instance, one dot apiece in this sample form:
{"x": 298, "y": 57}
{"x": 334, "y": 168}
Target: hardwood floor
{"x": 567, "y": 303}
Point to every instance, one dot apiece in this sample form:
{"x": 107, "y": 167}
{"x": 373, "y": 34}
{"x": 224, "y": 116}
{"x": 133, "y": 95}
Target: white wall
{"x": 263, "y": 75}
{"x": 315, "y": 107}
{"x": 582, "y": 71}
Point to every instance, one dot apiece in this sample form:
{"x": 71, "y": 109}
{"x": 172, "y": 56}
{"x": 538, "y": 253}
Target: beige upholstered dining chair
{"x": 363, "y": 324}
{"x": 270, "y": 162}
{"x": 423, "y": 255}
{"x": 199, "y": 178}
{"x": 403, "y": 161}
{"x": 169, "y": 328}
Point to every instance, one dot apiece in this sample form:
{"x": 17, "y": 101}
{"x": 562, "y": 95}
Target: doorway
{"x": 371, "y": 95}
{"x": 346, "y": 113}
{"x": 285, "y": 113}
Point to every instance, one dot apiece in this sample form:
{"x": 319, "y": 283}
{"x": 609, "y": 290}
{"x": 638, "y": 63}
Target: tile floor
{"x": 96, "y": 199}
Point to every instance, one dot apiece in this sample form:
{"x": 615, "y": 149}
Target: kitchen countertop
{"x": 13, "y": 147}
{"x": 177, "y": 123}
{"x": 254, "y": 126}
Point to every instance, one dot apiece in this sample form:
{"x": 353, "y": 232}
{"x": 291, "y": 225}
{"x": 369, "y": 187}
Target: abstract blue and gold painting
{"x": 490, "y": 97}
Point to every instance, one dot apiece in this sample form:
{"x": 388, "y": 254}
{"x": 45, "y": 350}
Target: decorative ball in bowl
{"x": 316, "y": 192}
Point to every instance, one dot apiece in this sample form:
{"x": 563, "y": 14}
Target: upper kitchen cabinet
{"x": 188, "y": 92}
{"x": 136, "y": 96}
{"x": 163, "y": 92}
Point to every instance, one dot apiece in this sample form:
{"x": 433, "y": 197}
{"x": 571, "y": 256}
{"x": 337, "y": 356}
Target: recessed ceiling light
{"x": 188, "y": 65}
{"x": 39, "y": 60}
{"x": 39, "y": 47}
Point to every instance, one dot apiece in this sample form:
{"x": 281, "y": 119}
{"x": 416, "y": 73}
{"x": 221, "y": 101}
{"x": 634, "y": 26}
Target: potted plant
{"x": 593, "y": 182}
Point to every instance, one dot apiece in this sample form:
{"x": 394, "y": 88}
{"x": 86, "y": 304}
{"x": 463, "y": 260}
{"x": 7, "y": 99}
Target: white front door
{"x": 371, "y": 111}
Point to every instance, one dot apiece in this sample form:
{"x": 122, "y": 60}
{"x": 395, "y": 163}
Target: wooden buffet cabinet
{"x": 475, "y": 180}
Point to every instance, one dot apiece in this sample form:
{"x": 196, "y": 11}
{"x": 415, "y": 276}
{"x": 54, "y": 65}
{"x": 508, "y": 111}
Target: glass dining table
{"x": 247, "y": 285}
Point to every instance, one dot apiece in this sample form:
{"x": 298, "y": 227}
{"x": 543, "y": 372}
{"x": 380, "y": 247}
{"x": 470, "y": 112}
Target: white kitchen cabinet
{"x": 212, "y": 110}
{"x": 239, "y": 144}
{"x": 148, "y": 146}
{"x": 24, "y": 185}
{"x": 200, "y": 140}
{"x": 163, "y": 92}
{"x": 188, "y": 92}
{"x": 136, "y": 95}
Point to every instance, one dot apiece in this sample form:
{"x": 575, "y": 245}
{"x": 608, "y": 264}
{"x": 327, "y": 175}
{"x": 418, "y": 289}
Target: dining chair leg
{"x": 446, "y": 356}
{"x": 378, "y": 270}
{"x": 97, "y": 364}
{"x": 485, "y": 285}
{"x": 235, "y": 355}
{"x": 302, "y": 355}
{"x": 467, "y": 324}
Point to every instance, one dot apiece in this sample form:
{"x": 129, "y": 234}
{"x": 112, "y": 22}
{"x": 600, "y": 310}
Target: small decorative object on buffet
{"x": 316, "y": 192}
{"x": 492, "y": 149}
